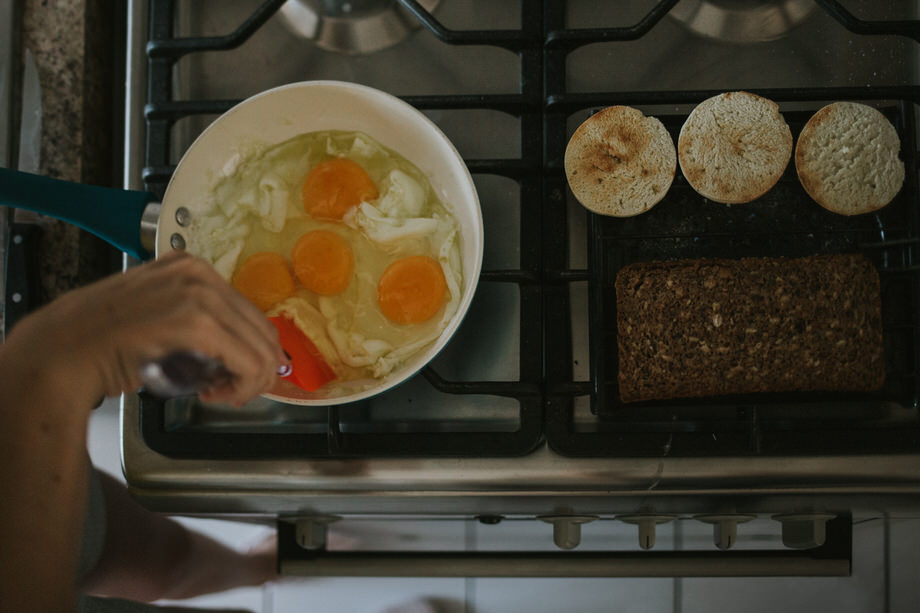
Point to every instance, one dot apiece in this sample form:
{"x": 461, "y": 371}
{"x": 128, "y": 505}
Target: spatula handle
{"x": 183, "y": 373}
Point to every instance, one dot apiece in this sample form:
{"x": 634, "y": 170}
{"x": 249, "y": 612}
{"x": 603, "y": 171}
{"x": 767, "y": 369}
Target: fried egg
{"x": 346, "y": 238}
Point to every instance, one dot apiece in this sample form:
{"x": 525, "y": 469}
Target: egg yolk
{"x": 323, "y": 262}
{"x": 265, "y": 279}
{"x": 334, "y": 186}
{"x": 412, "y": 290}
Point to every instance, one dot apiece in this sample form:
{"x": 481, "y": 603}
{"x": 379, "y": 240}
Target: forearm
{"x": 42, "y": 479}
{"x": 149, "y": 556}
{"x": 57, "y": 365}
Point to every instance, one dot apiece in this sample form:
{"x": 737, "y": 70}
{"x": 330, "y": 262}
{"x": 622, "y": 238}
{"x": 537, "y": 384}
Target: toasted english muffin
{"x": 734, "y": 147}
{"x": 620, "y": 162}
{"x": 847, "y": 159}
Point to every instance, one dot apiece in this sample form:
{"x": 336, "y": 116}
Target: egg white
{"x": 256, "y": 206}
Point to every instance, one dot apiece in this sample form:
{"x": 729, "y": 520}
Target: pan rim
{"x": 450, "y": 159}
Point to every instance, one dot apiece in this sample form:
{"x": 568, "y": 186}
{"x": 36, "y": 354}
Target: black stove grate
{"x": 779, "y": 424}
{"x": 162, "y": 112}
{"x": 548, "y": 396}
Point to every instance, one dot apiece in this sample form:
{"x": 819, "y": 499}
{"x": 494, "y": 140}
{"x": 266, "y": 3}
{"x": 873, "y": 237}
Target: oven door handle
{"x": 833, "y": 559}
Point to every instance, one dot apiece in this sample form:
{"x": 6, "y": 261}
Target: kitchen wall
{"x": 74, "y": 44}
{"x": 886, "y": 568}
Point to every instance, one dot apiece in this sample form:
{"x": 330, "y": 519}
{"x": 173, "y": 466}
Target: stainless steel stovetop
{"x": 493, "y": 347}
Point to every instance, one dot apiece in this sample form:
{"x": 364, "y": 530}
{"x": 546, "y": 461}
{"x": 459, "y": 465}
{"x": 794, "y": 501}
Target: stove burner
{"x": 742, "y": 21}
{"x": 352, "y": 27}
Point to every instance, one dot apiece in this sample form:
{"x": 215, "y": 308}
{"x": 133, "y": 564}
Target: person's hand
{"x": 97, "y": 338}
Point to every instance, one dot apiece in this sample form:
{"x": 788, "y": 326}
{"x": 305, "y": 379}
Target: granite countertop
{"x": 74, "y": 45}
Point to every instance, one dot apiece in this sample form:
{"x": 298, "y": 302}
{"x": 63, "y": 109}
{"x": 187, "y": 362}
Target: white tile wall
{"x": 863, "y": 592}
{"x": 575, "y": 595}
{"x": 366, "y": 595}
{"x": 886, "y": 572}
{"x": 257, "y": 600}
{"x": 102, "y": 439}
{"x": 904, "y": 564}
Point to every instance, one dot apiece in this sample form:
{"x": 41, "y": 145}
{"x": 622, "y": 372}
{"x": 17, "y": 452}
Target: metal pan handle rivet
{"x": 177, "y": 241}
{"x": 183, "y": 216}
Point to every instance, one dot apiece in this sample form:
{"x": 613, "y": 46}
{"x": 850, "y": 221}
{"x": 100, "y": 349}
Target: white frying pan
{"x": 133, "y": 223}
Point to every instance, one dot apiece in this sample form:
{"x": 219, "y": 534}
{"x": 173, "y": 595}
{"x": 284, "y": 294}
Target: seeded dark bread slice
{"x": 734, "y": 147}
{"x": 620, "y": 162}
{"x": 847, "y": 159}
{"x": 715, "y": 327}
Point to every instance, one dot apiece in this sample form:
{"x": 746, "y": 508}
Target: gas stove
{"x": 519, "y": 416}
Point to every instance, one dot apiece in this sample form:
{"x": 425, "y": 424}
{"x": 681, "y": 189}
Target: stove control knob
{"x": 647, "y": 526}
{"x": 310, "y": 532}
{"x": 724, "y": 527}
{"x": 804, "y": 530}
{"x": 567, "y": 528}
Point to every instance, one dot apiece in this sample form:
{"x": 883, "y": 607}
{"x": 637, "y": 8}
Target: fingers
{"x": 251, "y": 363}
{"x": 192, "y": 308}
{"x": 239, "y": 316}
{"x": 101, "y": 335}
{"x": 229, "y": 328}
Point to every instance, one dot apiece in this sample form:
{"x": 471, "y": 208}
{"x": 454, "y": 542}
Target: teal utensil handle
{"x": 114, "y": 215}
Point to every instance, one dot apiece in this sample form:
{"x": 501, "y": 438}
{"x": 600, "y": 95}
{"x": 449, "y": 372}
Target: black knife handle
{"x": 23, "y": 278}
